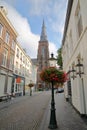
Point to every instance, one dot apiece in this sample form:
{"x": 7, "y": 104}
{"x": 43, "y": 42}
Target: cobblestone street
{"x": 24, "y": 113}
{"x": 33, "y": 113}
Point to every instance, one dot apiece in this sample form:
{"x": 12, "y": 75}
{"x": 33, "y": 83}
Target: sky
{"x": 27, "y": 17}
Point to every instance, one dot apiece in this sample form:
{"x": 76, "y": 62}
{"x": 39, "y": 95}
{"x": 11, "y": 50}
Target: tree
{"x": 59, "y": 58}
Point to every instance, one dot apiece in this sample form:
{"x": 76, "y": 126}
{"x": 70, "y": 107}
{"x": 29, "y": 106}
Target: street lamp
{"x": 53, "y": 122}
{"x": 73, "y": 72}
{"x": 80, "y": 68}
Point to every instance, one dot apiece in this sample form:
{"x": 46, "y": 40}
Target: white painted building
{"x": 34, "y": 73}
{"x": 22, "y": 70}
{"x": 74, "y": 47}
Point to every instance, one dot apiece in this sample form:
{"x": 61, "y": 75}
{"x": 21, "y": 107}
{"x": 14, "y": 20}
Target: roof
{"x": 35, "y": 62}
{"x": 43, "y": 36}
{"x": 69, "y": 7}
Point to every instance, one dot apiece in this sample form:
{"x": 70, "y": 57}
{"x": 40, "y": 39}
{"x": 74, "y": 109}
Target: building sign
{"x": 18, "y": 80}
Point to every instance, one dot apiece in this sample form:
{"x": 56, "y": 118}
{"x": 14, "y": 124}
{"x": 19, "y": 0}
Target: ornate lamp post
{"x": 53, "y": 122}
{"x": 53, "y": 75}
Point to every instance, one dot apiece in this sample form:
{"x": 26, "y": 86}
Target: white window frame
{"x": 21, "y": 56}
{"x": 1, "y": 29}
{"x": 5, "y": 54}
{"x": 11, "y": 61}
{"x": 17, "y": 52}
{"x": 13, "y": 44}
{"x": 24, "y": 59}
{"x": 7, "y": 38}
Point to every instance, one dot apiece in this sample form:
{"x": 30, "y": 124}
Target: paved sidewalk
{"x": 67, "y": 118}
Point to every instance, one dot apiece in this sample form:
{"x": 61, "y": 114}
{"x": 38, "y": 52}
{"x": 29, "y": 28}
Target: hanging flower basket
{"x": 52, "y": 74}
{"x": 30, "y": 85}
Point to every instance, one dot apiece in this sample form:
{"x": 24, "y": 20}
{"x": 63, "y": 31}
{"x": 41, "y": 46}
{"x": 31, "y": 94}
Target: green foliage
{"x": 59, "y": 58}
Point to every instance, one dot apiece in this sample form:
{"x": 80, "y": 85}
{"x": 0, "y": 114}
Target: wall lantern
{"x": 73, "y": 72}
{"x": 79, "y": 67}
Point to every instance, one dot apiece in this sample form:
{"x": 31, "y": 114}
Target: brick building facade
{"x": 8, "y": 37}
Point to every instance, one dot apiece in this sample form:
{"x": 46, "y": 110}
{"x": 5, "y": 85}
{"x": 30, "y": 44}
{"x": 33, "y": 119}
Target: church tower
{"x": 43, "y": 54}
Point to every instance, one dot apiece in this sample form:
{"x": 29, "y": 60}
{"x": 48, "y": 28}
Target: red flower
{"x": 53, "y": 74}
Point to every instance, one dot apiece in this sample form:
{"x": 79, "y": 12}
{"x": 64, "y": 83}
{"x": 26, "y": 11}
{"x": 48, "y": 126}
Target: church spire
{"x": 43, "y": 36}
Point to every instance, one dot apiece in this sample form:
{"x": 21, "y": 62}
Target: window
{"x": 17, "y": 53}
{"x": 16, "y": 64}
{"x": 21, "y": 56}
{"x": 66, "y": 56}
{"x": 7, "y": 37}
{"x": 1, "y": 29}
{"x": 80, "y": 27}
{"x": 4, "y": 61}
{"x": 16, "y": 67}
{"x": 13, "y": 45}
{"x": 78, "y": 20}
{"x": 26, "y": 62}
{"x": 43, "y": 51}
{"x": 71, "y": 41}
{"x": 23, "y": 59}
{"x": 11, "y": 61}
{"x": 20, "y": 69}
{"x": 16, "y": 88}
{"x": 23, "y": 70}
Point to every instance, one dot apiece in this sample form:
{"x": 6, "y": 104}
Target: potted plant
{"x": 30, "y": 85}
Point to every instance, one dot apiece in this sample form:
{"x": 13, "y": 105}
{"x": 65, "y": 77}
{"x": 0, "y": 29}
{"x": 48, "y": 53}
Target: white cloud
{"x": 40, "y": 7}
{"x": 54, "y": 10}
{"x": 26, "y": 38}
